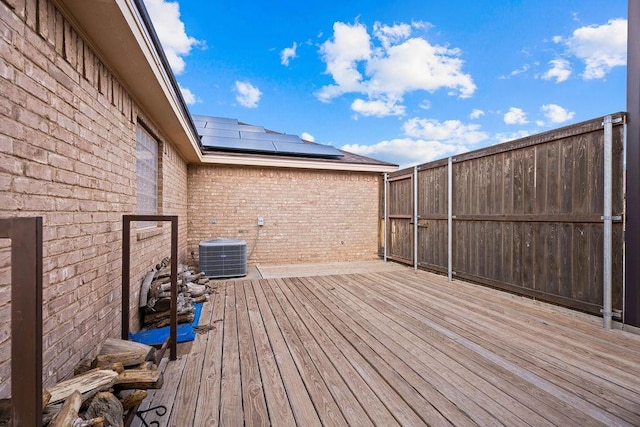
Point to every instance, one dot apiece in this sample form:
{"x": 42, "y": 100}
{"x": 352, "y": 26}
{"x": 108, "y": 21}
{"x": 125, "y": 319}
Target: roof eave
{"x": 117, "y": 32}
{"x": 295, "y": 163}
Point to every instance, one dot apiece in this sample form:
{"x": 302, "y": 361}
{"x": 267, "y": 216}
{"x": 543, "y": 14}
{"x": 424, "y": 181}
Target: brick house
{"x": 93, "y": 126}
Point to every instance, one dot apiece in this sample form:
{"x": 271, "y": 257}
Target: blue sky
{"x": 406, "y": 82}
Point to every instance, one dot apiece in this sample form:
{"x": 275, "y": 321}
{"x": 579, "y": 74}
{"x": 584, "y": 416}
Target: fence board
{"x": 527, "y": 215}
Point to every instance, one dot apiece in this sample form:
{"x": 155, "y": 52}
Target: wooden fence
{"x": 526, "y": 216}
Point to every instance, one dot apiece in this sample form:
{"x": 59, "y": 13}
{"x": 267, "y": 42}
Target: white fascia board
{"x": 294, "y": 163}
{"x": 134, "y": 20}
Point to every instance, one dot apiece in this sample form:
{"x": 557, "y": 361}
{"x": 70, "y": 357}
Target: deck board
{"x": 397, "y": 347}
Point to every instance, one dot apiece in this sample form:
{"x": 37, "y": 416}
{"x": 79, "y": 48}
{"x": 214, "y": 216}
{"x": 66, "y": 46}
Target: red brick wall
{"x": 67, "y": 153}
{"x": 309, "y": 216}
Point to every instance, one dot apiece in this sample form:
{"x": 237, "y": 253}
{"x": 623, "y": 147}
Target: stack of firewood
{"x": 104, "y": 388}
{"x": 155, "y": 295}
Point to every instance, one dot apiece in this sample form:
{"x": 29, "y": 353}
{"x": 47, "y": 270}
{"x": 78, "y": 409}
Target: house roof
{"x": 228, "y": 141}
{"x": 231, "y": 135}
{"x": 117, "y": 26}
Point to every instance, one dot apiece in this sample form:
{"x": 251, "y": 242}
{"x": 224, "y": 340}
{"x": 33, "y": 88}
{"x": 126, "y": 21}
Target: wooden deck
{"x": 397, "y": 348}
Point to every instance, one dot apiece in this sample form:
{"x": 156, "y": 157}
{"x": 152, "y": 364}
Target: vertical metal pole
{"x": 632, "y": 233}
{"x": 173, "y": 330}
{"x": 450, "y": 219}
{"x": 386, "y": 214}
{"x": 126, "y": 273}
{"x": 26, "y": 318}
{"x": 607, "y": 212}
{"x": 415, "y": 217}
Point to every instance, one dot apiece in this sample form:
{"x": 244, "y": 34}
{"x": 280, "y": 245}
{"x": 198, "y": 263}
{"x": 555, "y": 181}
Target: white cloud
{"x": 556, "y": 114}
{"x": 515, "y": 116}
{"x": 388, "y": 66}
{"x": 165, "y": 16}
{"x": 247, "y": 94}
{"x": 514, "y": 73}
{"x": 405, "y": 151}
{"x": 560, "y": 70}
{"x": 452, "y": 131}
{"x": 288, "y": 53}
{"x": 504, "y": 137}
{"x": 476, "y": 114}
{"x": 417, "y": 65}
{"x": 308, "y": 137}
{"x": 600, "y": 47}
{"x": 377, "y": 108}
{"x": 188, "y": 96}
{"x": 351, "y": 43}
{"x": 423, "y": 140}
{"x": 389, "y": 35}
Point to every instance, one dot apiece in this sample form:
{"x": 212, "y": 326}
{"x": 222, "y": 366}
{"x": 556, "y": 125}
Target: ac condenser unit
{"x": 223, "y": 258}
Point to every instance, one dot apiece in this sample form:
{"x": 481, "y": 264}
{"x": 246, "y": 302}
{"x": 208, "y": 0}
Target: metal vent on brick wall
{"x": 223, "y": 258}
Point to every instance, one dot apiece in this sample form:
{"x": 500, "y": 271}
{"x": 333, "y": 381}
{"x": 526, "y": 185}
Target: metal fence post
{"x": 450, "y": 219}
{"x": 385, "y": 214}
{"x": 607, "y": 212}
{"x": 415, "y": 217}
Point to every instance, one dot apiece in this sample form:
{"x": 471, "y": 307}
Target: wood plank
{"x": 184, "y": 407}
{"x": 230, "y": 388}
{"x": 374, "y": 407}
{"x": 253, "y": 400}
{"x": 400, "y": 410}
{"x": 303, "y": 409}
{"x": 326, "y": 407}
{"x": 208, "y": 403}
{"x": 280, "y": 412}
{"x": 347, "y": 403}
{"x": 460, "y": 390}
{"x": 405, "y": 381}
{"x": 585, "y": 343}
{"x": 522, "y": 391}
{"x": 535, "y": 347}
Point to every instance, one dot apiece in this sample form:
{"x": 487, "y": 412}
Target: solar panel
{"x": 307, "y": 149}
{"x": 249, "y": 128}
{"x": 225, "y": 126}
{"x": 237, "y": 144}
{"x": 219, "y": 132}
{"x": 228, "y": 134}
{"x": 269, "y": 136}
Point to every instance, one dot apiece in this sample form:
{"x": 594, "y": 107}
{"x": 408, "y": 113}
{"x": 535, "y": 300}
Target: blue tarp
{"x": 186, "y": 331}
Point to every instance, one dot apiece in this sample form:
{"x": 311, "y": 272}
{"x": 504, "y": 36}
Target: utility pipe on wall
{"x": 607, "y": 213}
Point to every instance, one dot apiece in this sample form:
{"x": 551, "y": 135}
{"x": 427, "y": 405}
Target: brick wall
{"x": 309, "y": 216}
{"x": 67, "y": 153}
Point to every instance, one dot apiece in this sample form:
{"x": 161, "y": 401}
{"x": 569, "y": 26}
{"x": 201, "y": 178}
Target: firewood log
{"x": 133, "y": 399}
{"x": 69, "y": 411}
{"x": 106, "y": 405}
{"x": 93, "y": 422}
{"x": 114, "y": 345}
{"x": 46, "y": 397}
{"x": 144, "y": 290}
{"x": 87, "y": 382}
{"x": 142, "y": 379}
{"x": 127, "y": 358}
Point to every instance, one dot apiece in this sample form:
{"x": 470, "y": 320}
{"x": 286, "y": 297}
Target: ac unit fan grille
{"x": 223, "y": 258}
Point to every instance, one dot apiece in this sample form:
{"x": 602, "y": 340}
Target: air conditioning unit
{"x": 223, "y": 258}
